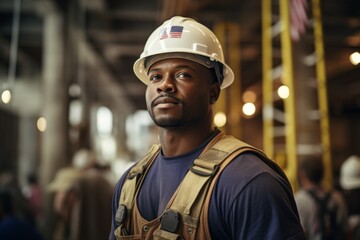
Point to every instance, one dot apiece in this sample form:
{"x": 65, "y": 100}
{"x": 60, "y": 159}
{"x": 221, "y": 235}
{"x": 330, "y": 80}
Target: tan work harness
{"x": 186, "y": 215}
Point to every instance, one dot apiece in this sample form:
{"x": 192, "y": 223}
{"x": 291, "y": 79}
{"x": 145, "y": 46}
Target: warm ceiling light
{"x": 249, "y": 96}
{"x": 249, "y": 109}
{"x": 220, "y": 119}
{"x": 6, "y": 96}
{"x": 41, "y": 124}
{"x": 283, "y": 92}
{"x": 355, "y": 58}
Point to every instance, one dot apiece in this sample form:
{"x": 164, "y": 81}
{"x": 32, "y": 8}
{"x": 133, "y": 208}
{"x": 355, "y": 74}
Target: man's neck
{"x": 177, "y": 141}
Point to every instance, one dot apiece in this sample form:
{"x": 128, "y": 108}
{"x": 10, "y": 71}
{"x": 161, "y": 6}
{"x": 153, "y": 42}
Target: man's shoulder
{"x": 230, "y": 141}
{"x": 244, "y": 168}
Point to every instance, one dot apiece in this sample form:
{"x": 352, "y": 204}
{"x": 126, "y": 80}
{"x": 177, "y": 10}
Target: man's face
{"x": 179, "y": 92}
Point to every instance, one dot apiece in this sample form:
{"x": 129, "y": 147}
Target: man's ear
{"x": 214, "y": 93}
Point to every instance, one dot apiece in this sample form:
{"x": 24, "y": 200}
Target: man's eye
{"x": 154, "y": 77}
{"x": 183, "y": 75}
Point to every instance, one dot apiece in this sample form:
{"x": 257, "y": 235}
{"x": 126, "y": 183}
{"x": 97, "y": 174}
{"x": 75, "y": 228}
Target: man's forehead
{"x": 174, "y": 61}
{"x": 185, "y": 57}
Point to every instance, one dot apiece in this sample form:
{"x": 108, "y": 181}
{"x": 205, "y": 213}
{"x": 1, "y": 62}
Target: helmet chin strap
{"x": 218, "y": 67}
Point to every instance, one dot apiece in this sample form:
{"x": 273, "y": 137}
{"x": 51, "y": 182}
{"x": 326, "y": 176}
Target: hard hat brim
{"x": 141, "y": 71}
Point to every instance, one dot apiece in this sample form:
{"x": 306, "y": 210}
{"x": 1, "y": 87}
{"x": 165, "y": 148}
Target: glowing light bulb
{"x": 41, "y": 124}
{"x": 355, "y": 58}
{"x": 249, "y": 96}
{"x": 220, "y": 119}
{"x": 6, "y": 96}
{"x": 283, "y": 92}
{"x": 249, "y": 109}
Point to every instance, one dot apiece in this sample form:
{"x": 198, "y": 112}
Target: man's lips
{"x": 165, "y": 100}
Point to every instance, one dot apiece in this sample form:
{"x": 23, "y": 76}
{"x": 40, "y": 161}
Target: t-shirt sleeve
{"x": 260, "y": 206}
{"x": 264, "y": 211}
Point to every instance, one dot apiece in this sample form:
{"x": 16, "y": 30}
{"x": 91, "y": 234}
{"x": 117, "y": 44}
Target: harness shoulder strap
{"x": 191, "y": 194}
{"x": 204, "y": 223}
{"x": 135, "y": 174}
{"x": 131, "y": 184}
{"x": 204, "y": 168}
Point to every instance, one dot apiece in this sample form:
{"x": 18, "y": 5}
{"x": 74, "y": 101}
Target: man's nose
{"x": 167, "y": 84}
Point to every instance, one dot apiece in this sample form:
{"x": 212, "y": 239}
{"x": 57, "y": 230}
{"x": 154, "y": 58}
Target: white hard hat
{"x": 180, "y": 36}
{"x": 83, "y": 159}
{"x": 350, "y": 173}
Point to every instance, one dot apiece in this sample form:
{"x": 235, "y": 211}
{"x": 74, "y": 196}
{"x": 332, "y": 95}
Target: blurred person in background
{"x": 322, "y": 213}
{"x": 15, "y": 224}
{"x": 82, "y": 200}
{"x": 63, "y": 200}
{"x": 32, "y": 193}
{"x": 21, "y": 206}
{"x": 350, "y": 184}
{"x": 93, "y": 193}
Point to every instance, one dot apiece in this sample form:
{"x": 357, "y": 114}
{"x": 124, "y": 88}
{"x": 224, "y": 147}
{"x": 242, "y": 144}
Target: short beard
{"x": 167, "y": 122}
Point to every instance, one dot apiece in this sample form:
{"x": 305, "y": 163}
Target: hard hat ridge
{"x": 350, "y": 173}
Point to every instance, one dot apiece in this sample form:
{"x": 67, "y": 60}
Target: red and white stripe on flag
{"x": 298, "y": 18}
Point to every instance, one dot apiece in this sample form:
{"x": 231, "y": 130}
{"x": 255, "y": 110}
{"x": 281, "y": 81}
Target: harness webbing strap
{"x": 196, "y": 181}
{"x": 206, "y": 202}
{"x": 188, "y": 193}
{"x": 192, "y": 191}
{"x": 130, "y": 185}
{"x": 132, "y": 182}
{"x": 161, "y": 235}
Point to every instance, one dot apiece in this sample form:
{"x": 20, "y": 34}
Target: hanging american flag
{"x": 298, "y": 18}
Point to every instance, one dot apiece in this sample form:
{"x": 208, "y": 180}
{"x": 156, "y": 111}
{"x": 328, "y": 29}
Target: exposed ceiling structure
{"x": 115, "y": 32}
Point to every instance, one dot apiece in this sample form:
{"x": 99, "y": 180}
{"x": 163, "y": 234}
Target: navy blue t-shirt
{"x": 250, "y": 200}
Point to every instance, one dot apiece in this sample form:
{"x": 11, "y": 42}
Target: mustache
{"x": 167, "y": 95}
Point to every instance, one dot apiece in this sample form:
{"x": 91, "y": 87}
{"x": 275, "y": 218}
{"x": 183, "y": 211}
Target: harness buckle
{"x": 207, "y": 173}
{"x": 170, "y": 221}
{"x": 120, "y": 215}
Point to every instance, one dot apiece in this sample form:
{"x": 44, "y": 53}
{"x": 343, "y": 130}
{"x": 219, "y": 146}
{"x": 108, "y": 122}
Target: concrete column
{"x": 28, "y": 159}
{"x": 53, "y": 140}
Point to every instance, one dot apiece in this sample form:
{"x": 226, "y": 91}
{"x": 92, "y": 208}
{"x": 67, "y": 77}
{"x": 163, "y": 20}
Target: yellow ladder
{"x": 322, "y": 92}
{"x": 279, "y": 120}
{"x": 280, "y": 140}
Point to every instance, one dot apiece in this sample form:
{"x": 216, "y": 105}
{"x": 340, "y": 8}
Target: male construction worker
{"x": 198, "y": 183}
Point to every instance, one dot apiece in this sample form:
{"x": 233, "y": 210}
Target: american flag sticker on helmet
{"x": 175, "y": 32}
